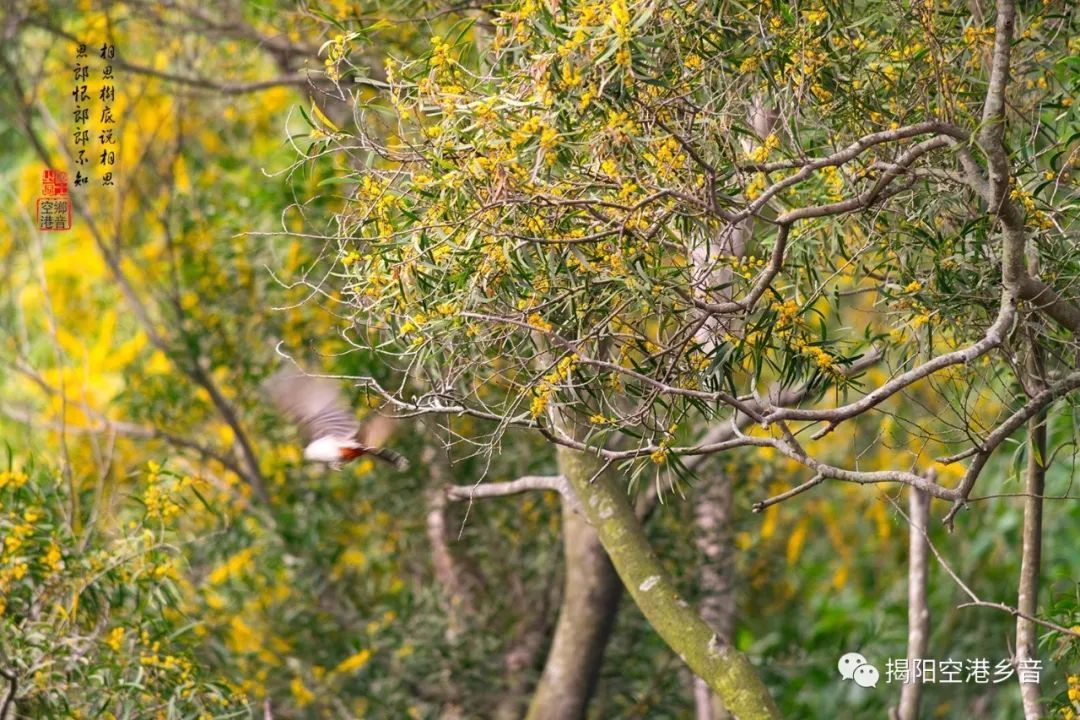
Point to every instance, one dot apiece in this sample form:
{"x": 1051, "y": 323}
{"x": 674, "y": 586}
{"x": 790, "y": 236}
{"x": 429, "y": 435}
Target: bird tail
{"x": 387, "y": 455}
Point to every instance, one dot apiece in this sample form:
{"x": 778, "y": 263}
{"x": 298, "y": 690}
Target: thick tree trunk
{"x": 727, "y": 671}
{"x": 590, "y": 599}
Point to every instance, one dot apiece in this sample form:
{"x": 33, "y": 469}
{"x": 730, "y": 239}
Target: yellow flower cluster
{"x": 300, "y": 692}
{"x": 12, "y": 478}
{"x": 440, "y": 53}
{"x": 115, "y": 639}
{"x": 1073, "y": 681}
{"x": 528, "y": 129}
{"x": 619, "y": 123}
{"x": 14, "y": 539}
{"x": 413, "y": 324}
{"x": 620, "y": 19}
{"x": 822, "y": 358}
{"x": 834, "y": 181}
{"x": 54, "y": 559}
{"x": 546, "y": 388}
{"x": 669, "y": 156}
{"x": 336, "y": 50}
{"x": 535, "y": 320}
{"x": 785, "y": 313}
{"x": 746, "y": 267}
{"x": 1034, "y": 216}
{"x": 158, "y": 498}
{"x": 756, "y": 186}
{"x": 973, "y": 35}
{"x": 761, "y": 153}
{"x": 167, "y": 663}
{"x": 353, "y": 662}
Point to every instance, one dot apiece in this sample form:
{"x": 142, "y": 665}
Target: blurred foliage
{"x": 92, "y": 621}
{"x": 145, "y": 579}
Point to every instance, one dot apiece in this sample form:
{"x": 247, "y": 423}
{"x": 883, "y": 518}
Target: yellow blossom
{"x": 300, "y": 693}
{"x": 353, "y": 662}
{"x": 115, "y": 638}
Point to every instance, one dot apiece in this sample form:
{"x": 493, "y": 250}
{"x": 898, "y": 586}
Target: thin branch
{"x": 1035, "y": 404}
{"x": 527, "y": 483}
{"x": 975, "y": 600}
{"x": 797, "y": 490}
{"x": 994, "y": 336}
{"x": 141, "y": 432}
{"x": 1017, "y": 614}
{"x": 993, "y": 119}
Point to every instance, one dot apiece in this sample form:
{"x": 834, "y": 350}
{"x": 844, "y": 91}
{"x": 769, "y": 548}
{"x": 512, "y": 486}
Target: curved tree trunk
{"x": 590, "y": 599}
{"x": 726, "y": 671}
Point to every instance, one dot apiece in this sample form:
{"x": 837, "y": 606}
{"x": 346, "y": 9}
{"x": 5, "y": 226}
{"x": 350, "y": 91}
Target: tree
{"x": 548, "y": 244}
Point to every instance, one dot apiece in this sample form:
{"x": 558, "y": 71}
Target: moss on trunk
{"x": 727, "y": 671}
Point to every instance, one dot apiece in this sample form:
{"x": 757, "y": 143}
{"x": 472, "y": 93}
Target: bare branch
{"x": 1033, "y": 406}
{"x": 797, "y": 490}
{"x": 527, "y": 483}
{"x": 975, "y": 600}
{"x": 993, "y": 119}
{"x": 132, "y": 430}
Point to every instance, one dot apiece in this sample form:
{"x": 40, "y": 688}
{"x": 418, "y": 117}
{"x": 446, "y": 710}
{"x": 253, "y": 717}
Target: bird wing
{"x": 375, "y": 432}
{"x": 314, "y": 404}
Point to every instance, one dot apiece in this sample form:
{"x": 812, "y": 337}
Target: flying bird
{"x": 330, "y": 430}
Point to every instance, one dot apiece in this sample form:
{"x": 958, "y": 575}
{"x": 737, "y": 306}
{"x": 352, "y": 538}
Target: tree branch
{"x": 975, "y": 600}
{"x": 1034, "y": 405}
{"x": 527, "y": 483}
{"x": 13, "y": 688}
{"x": 727, "y": 671}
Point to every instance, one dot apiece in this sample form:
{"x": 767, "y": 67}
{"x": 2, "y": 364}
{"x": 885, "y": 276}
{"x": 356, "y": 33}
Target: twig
{"x": 798, "y": 490}
{"x": 975, "y": 600}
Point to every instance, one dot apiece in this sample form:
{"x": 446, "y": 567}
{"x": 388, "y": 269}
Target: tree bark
{"x": 918, "y": 610}
{"x": 1030, "y": 559}
{"x": 590, "y": 599}
{"x": 713, "y": 536}
{"x": 727, "y": 671}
